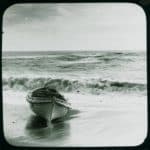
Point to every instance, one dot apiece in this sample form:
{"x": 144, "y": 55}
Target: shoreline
{"x": 94, "y": 121}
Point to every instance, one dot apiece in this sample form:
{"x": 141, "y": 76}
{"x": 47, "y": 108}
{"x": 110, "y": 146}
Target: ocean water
{"x": 88, "y": 72}
{"x": 107, "y": 91}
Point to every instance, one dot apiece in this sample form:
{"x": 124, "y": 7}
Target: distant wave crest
{"x": 94, "y": 86}
{"x": 70, "y": 57}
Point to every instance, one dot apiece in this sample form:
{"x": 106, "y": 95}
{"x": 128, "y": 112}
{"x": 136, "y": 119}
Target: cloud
{"x": 71, "y": 26}
{"x": 20, "y": 13}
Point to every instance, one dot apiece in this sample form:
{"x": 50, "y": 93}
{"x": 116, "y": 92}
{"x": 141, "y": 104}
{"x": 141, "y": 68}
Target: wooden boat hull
{"x": 49, "y": 111}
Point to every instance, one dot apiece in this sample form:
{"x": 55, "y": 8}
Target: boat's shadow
{"x": 39, "y": 127}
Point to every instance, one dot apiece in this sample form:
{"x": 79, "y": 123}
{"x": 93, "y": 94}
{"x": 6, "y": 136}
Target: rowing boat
{"x": 48, "y": 104}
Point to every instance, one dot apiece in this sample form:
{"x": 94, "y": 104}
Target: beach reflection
{"x": 38, "y": 127}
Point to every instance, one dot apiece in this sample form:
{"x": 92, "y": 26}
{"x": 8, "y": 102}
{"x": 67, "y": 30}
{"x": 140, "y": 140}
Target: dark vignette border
{"x": 145, "y": 4}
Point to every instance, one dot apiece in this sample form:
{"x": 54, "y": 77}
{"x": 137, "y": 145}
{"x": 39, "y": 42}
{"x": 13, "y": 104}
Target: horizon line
{"x": 68, "y": 50}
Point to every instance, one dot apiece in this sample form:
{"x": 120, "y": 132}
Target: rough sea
{"x": 91, "y": 72}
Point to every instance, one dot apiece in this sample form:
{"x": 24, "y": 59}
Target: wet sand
{"x": 93, "y": 121}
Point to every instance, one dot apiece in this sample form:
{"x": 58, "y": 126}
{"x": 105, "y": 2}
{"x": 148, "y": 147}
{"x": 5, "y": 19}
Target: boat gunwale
{"x": 33, "y": 100}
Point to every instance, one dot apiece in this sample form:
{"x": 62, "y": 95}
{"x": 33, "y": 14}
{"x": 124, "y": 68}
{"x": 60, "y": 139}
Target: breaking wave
{"x": 94, "y": 86}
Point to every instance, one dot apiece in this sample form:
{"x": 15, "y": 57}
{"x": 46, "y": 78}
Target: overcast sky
{"x": 103, "y": 26}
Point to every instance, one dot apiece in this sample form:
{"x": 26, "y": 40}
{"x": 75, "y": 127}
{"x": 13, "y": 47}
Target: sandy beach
{"x": 106, "y": 120}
